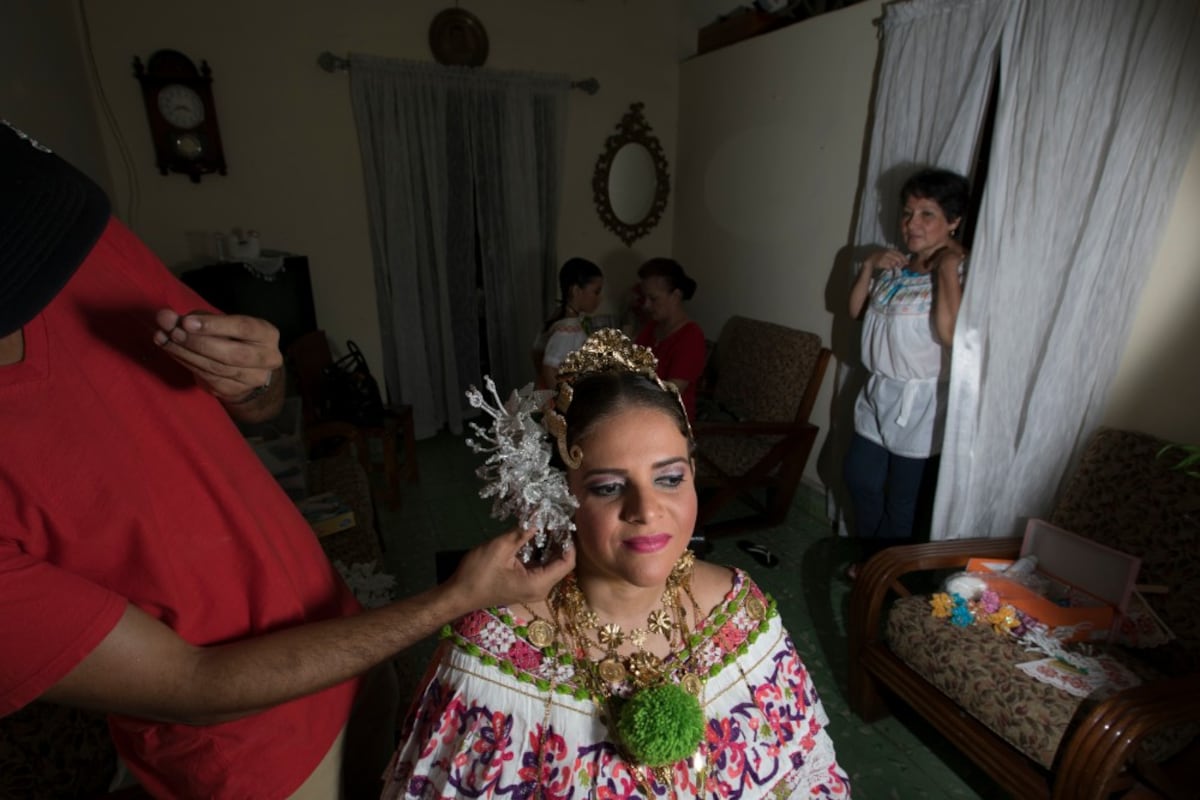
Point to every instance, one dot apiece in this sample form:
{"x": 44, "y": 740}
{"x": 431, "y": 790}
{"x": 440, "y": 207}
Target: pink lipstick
{"x": 648, "y": 544}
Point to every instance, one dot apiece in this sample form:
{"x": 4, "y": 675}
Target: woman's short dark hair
{"x": 672, "y": 272}
{"x": 603, "y": 394}
{"x": 948, "y": 189}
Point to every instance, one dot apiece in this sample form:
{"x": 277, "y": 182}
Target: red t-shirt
{"x": 122, "y": 481}
{"x": 681, "y": 356}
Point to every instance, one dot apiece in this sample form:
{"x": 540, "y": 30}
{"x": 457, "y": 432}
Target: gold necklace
{"x": 575, "y": 617}
{"x": 575, "y": 622}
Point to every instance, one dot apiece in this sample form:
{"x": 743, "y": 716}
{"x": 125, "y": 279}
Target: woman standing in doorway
{"x": 677, "y": 342}
{"x": 911, "y": 302}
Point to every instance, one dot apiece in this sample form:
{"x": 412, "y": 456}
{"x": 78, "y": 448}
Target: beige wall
{"x": 771, "y": 137}
{"x": 1157, "y": 389}
{"x": 771, "y": 134}
{"x": 44, "y": 87}
{"x": 288, "y": 131}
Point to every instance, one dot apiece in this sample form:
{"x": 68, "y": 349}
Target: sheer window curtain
{"x": 1098, "y": 109}
{"x": 450, "y": 157}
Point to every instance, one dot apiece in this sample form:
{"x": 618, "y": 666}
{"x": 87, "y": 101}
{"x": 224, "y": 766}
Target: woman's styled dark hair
{"x": 948, "y": 189}
{"x": 672, "y": 272}
{"x": 574, "y": 272}
{"x": 603, "y": 394}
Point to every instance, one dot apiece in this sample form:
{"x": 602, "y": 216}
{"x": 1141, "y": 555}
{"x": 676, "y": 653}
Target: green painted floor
{"x": 898, "y": 757}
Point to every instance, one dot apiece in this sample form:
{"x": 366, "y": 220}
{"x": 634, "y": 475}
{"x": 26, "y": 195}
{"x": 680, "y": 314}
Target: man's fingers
{"x": 231, "y": 326}
{"x": 166, "y": 319}
{"x": 558, "y": 567}
{"x": 211, "y": 358}
{"x": 224, "y": 379}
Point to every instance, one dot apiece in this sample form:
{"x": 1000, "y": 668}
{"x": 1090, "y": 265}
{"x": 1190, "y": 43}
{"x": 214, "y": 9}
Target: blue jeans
{"x": 892, "y": 496}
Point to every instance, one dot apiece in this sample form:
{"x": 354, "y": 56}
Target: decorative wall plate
{"x": 457, "y": 38}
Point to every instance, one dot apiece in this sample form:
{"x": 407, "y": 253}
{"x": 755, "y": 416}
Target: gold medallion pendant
{"x": 611, "y": 670}
{"x": 541, "y": 633}
{"x": 756, "y": 609}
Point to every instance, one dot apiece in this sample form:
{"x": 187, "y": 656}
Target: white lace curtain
{"x": 1097, "y": 110}
{"x": 463, "y": 179}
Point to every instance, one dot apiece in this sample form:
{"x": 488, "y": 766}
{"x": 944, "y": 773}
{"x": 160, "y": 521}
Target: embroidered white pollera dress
{"x": 499, "y": 717}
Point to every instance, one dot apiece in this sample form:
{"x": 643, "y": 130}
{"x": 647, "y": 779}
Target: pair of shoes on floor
{"x": 758, "y": 552}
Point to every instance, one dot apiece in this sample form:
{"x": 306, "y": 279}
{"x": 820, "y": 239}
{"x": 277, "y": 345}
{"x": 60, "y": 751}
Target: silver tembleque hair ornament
{"x": 517, "y": 471}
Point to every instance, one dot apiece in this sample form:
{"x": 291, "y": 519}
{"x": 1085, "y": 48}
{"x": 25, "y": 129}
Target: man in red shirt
{"x": 150, "y": 567}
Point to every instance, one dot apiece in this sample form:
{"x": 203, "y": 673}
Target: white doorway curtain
{"x": 462, "y": 171}
{"x": 1098, "y": 109}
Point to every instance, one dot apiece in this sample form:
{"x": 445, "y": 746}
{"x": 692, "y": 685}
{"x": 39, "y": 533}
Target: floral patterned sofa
{"x": 1033, "y": 739}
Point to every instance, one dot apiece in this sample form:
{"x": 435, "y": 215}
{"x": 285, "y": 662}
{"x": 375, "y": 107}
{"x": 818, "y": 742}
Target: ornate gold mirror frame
{"x": 633, "y": 129}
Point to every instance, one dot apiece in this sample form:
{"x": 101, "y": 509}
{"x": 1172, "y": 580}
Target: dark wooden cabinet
{"x": 284, "y": 297}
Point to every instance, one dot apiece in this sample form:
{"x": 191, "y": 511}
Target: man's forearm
{"x": 143, "y": 669}
{"x": 248, "y": 676}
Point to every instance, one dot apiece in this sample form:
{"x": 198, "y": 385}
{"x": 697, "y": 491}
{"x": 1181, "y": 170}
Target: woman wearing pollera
{"x": 645, "y": 673}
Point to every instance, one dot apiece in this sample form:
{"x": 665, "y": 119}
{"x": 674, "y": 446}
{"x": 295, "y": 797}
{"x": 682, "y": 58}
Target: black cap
{"x": 51, "y": 215}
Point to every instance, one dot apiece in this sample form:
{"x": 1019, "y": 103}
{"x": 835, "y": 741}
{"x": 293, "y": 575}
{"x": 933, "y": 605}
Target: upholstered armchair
{"x": 753, "y": 435}
{"x": 1033, "y": 739}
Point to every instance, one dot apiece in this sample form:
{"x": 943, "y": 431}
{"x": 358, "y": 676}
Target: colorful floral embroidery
{"x": 488, "y": 726}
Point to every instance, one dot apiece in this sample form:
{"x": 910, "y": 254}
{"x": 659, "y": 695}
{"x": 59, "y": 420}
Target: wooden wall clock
{"x": 183, "y": 117}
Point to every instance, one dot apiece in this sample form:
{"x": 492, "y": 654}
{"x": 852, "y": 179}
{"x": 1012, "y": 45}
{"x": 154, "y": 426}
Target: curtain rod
{"x": 332, "y": 63}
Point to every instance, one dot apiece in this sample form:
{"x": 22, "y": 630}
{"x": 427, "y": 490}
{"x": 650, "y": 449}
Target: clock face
{"x": 181, "y": 106}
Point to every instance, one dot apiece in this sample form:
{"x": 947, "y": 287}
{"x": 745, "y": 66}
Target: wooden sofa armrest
{"x": 881, "y": 576}
{"x": 1108, "y": 738}
{"x": 877, "y": 581}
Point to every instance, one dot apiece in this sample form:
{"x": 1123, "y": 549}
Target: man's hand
{"x": 230, "y": 355}
{"x": 492, "y": 574}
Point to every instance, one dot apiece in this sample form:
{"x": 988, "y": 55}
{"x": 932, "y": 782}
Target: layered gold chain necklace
{"x": 575, "y": 617}
{"x": 659, "y": 722}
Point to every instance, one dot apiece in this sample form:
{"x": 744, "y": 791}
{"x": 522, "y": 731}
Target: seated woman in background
{"x": 580, "y": 283}
{"x": 645, "y": 673}
{"x": 677, "y": 342}
{"x": 911, "y": 302}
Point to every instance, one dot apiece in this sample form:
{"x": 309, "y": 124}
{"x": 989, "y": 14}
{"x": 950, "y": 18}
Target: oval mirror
{"x": 631, "y": 183}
